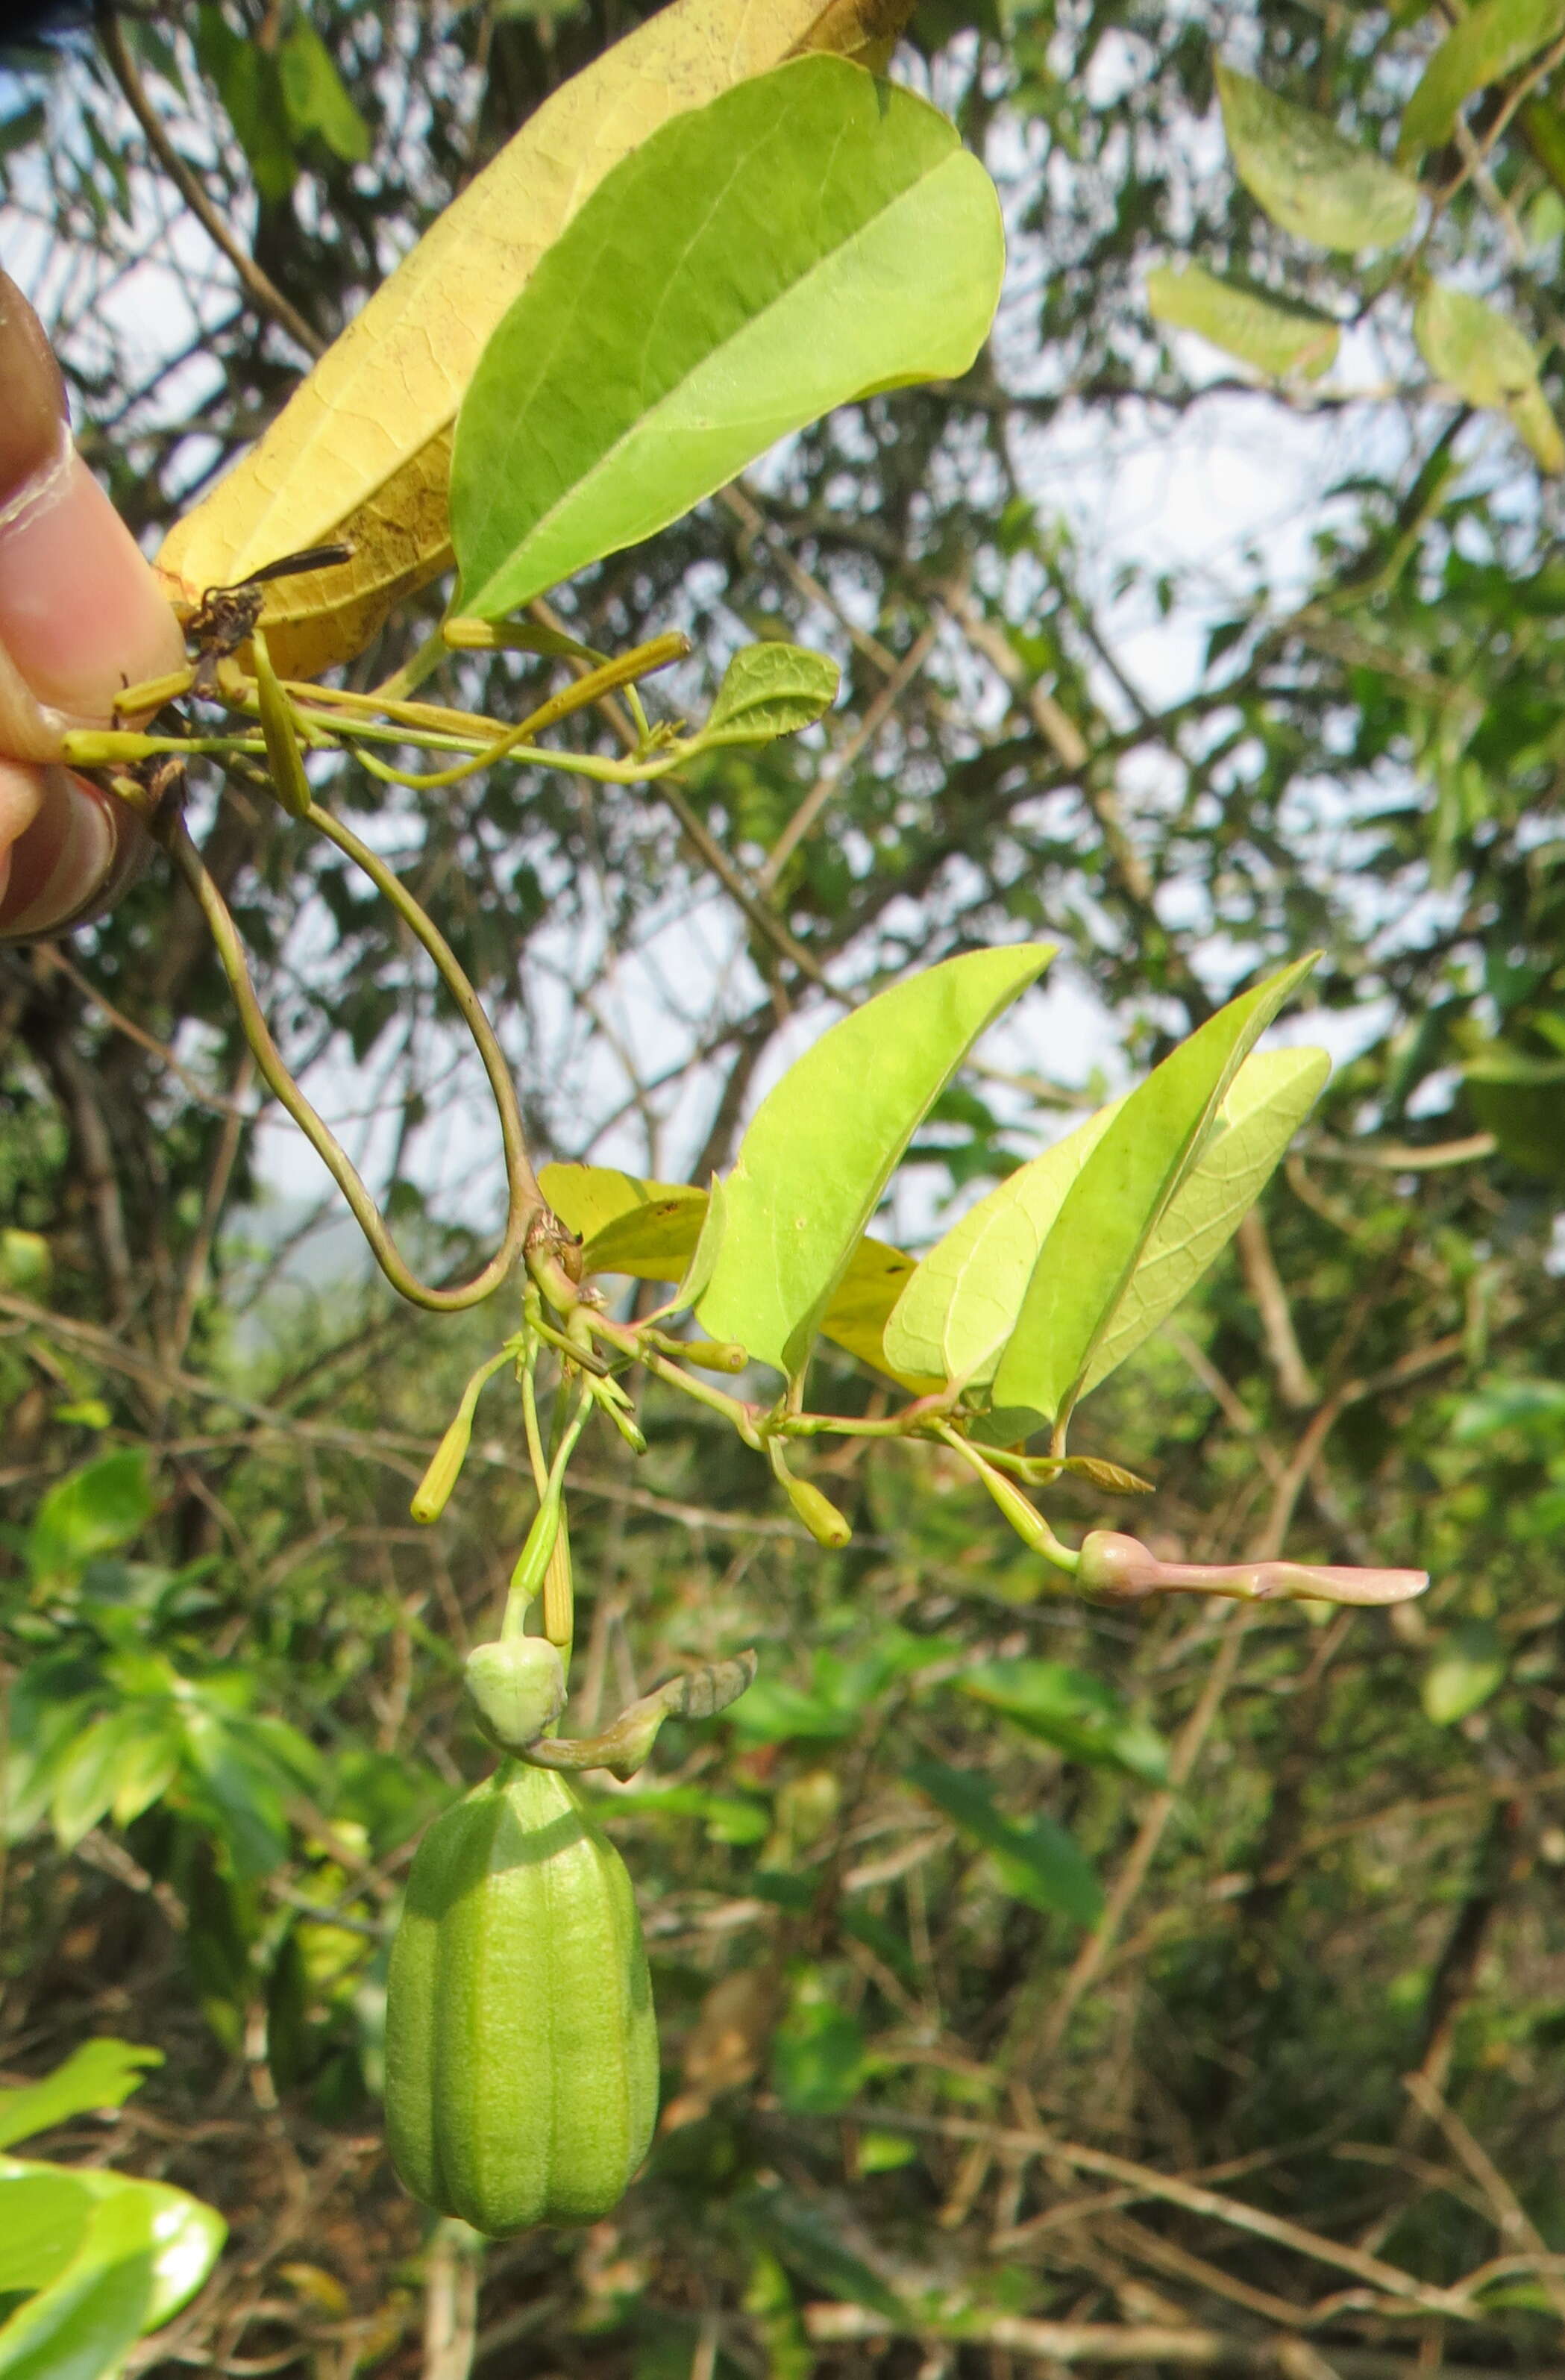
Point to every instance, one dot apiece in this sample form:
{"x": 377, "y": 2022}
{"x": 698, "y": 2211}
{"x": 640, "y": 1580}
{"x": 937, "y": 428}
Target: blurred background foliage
{"x": 1040, "y": 1985}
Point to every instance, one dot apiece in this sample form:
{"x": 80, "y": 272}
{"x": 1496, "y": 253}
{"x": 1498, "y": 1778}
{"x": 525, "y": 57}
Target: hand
{"x": 80, "y": 618}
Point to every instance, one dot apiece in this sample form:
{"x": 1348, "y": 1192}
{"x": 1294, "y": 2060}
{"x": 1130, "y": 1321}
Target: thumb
{"x": 80, "y": 618}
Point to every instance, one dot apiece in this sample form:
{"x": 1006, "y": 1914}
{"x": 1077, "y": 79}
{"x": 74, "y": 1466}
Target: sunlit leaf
{"x": 1269, "y": 1100}
{"x": 81, "y": 2324}
{"x": 650, "y": 1230}
{"x": 646, "y": 1228}
{"x": 961, "y": 1304}
{"x": 834, "y": 238}
{"x": 92, "y": 1511}
{"x": 1312, "y": 181}
{"x": 769, "y": 690}
{"x": 141, "y": 2253}
{"x": 1116, "y": 1203}
{"x": 1488, "y": 42}
{"x": 823, "y": 1144}
{"x": 43, "y": 2212}
{"x": 1481, "y": 354}
{"x": 99, "y": 2074}
{"x": 361, "y": 452}
{"x": 1263, "y": 332}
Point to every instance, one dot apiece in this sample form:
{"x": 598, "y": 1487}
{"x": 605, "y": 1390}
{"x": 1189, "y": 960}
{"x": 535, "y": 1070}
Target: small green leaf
{"x": 25, "y": 1261}
{"x": 1116, "y": 1204}
{"x": 1466, "y": 1671}
{"x": 833, "y": 238}
{"x": 1310, "y": 180}
{"x": 315, "y": 96}
{"x": 1490, "y": 41}
{"x": 249, "y": 84}
{"x": 90, "y": 1511}
{"x": 99, "y": 2074}
{"x": 823, "y": 1145}
{"x": 1036, "y": 1860}
{"x": 1482, "y": 355}
{"x": 1262, "y": 331}
{"x": 818, "y": 2060}
{"x": 1474, "y": 350}
{"x": 770, "y": 690}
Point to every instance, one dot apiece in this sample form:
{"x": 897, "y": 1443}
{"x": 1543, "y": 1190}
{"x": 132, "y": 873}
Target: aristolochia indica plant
{"x": 569, "y": 360}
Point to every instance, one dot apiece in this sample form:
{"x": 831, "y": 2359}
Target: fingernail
{"x": 34, "y": 413}
{"x": 70, "y": 861}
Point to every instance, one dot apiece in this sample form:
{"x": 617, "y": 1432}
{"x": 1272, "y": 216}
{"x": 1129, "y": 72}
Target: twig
{"x": 1176, "y": 2346}
{"x": 1387, "y": 2279}
{"x": 831, "y": 777}
{"x": 263, "y": 291}
{"x": 1511, "y": 2217}
{"x": 1264, "y": 1283}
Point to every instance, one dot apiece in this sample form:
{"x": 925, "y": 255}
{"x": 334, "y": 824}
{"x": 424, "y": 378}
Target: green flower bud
{"x": 516, "y": 1688}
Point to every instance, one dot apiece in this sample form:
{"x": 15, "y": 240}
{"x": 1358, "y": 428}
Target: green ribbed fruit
{"x": 521, "y": 2046}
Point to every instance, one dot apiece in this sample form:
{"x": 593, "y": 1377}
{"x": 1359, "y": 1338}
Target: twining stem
{"x": 526, "y": 1205}
{"x": 621, "y": 672}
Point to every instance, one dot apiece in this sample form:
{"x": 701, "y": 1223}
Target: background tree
{"x": 915, "y": 2054}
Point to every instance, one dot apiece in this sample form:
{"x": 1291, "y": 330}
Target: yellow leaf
{"x": 362, "y": 452}
{"x": 650, "y": 1230}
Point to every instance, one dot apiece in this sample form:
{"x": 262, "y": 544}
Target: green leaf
{"x": 144, "y": 2249}
{"x": 251, "y": 87}
{"x": 959, "y": 1305}
{"x": 81, "y": 2326}
{"x": 1482, "y": 355}
{"x": 809, "y": 2241}
{"x": 770, "y": 690}
{"x": 87, "y": 1778}
{"x": 1073, "y": 1711}
{"x": 1310, "y": 180}
{"x": 1521, "y": 1099}
{"x": 804, "y": 239}
{"x": 187, "y": 2236}
{"x": 99, "y": 2074}
{"x": 43, "y": 2212}
{"x": 823, "y": 1145}
{"x": 1269, "y": 1100}
{"x": 1036, "y": 1860}
{"x": 1491, "y": 41}
{"x": 1116, "y": 1204}
{"x": 93, "y": 1510}
{"x": 315, "y": 96}
{"x": 1260, "y": 329}
{"x": 818, "y": 2060}
{"x": 1466, "y": 1671}
{"x": 25, "y": 1261}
